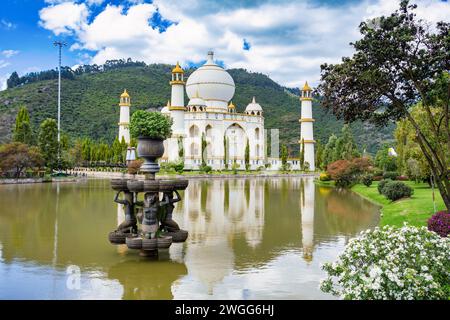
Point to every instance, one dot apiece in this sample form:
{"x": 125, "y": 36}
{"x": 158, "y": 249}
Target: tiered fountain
{"x": 157, "y": 228}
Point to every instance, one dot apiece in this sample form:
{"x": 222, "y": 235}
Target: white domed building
{"x": 211, "y": 114}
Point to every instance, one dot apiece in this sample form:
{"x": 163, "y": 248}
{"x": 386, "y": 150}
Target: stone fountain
{"x": 154, "y": 215}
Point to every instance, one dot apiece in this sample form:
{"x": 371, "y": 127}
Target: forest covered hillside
{"x": 90, "y": 104}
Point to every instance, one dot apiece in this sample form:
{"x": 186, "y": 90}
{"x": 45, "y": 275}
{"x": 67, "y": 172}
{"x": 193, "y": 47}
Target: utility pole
{"x": 59, "y": 44}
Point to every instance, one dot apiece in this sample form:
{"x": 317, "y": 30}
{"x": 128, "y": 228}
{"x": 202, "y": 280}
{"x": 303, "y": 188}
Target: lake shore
{"x": 40, "y": 180}
{"x": 192, "y": 175}
{"x": 415, "y": 210}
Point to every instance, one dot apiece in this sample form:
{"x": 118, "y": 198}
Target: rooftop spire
{"x": 210, "y": 58}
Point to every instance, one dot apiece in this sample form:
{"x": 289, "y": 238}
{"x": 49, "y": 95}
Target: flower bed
{"x": 392, "y": 263}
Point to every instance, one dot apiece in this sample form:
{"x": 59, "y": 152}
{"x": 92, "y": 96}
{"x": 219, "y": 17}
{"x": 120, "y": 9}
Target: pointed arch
{"x": 194, "y": 131}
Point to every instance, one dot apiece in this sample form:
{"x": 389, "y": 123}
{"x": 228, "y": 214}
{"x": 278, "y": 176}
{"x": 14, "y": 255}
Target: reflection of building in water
{"x": 229, "y": 208}
{"x": 121, "y": 218}
{"x": 307, "y": 211}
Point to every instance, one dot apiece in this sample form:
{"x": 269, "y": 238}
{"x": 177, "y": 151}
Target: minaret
{"x": 177, "y": 107}
{"x": 306, "y": 126}
{"x": 124, "y": 122}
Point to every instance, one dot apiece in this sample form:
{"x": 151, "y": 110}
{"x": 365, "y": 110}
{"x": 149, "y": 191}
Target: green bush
{"x": 396, "y": 190}
{"x": 382, "y": 184}
{"x": 150, "y": 124}
{"x": 206, "y": 169}
{"x": 390, "y": 175}
{"x": 367, "y": 180}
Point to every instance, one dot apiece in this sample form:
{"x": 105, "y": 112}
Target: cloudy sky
{"x": 285, "y": 39}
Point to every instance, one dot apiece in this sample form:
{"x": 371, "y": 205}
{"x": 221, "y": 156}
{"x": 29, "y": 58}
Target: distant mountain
{"x": 90, "y": 103}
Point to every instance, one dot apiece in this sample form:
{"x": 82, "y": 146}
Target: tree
{"x": 180, "y": 148}
{"x": 17, "y": 156}
{"x": 48, "y": 143}
{"x": 86, "y": 149}
{"x": 22, "y": 129}
{"x": 397, "y": 62}
{"x": 247, "y": 156}
{"x": 384, "y": 160}
{"x": 329, "y": 150}
{"x": 116, "y": 151}
{"x": 204, "y": 155}
{"x": 302, "y": 154}
{"x": 225, "y": 151}
{"x": 319, "y": 154}
{"x": 346, "y": 145}
{"x": 284, "y": 156}
{"x": 13, "y": 80}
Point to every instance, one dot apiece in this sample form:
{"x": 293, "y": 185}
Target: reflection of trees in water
{"x": 86, "y": 213}
{"x": 146, "y": 280}
{"x": 343, "y": 212}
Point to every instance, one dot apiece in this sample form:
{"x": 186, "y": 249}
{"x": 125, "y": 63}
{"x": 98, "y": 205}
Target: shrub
{"x": 440, "y": 223}
{"x": 341, "y": 172}
{"x": 377, "y": 172}
{"x": 402, "y": 178}
{"x": 390, "y": 175}
{"x": 396, "y": 190}
{"x": 367, "y": 180}
{"x": 324, "y": 177}
{"x": 150, "y": 124}
{"x": 361, "y": 165}
{"x": 206, "y": 169}
{"x": 377, "y": 178}
{"x": 391, "y": 263}
{"x": 382, "y": 184}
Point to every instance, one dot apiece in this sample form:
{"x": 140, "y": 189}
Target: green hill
{"x": 90, "y": 104}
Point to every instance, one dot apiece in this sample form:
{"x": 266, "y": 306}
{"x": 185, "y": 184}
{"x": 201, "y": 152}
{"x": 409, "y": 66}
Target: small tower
{"x": 124, "y": 121}
{"x": 306, "y": 126}
{"x": 177, "y": 107}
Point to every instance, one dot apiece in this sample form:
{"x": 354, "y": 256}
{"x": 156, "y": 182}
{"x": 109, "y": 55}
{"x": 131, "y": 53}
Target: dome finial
{"x": 210, "y": 58}
{"x": 177, "y": 69}
{"x": 254, "y": 99}
{"x": 125, "y": 94}
{"x": 168, "y": 103}
{"x": 306, "y": 87}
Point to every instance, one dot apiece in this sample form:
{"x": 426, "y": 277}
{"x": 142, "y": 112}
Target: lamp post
{"x": 59, "y": 44}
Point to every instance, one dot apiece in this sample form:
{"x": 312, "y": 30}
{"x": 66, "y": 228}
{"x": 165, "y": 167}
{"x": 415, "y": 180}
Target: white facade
{"x": 124, "y": 122}
{"x": 211, "y": 114}
{"x": 306, "y": 127}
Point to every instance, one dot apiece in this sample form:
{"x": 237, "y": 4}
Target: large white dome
{"x": 212, "y": 83}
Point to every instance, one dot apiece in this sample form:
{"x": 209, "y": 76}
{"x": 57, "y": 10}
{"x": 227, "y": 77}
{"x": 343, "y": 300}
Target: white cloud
{"x": 290, "y": 40}
{"x": 9, "y": 53}
{"x": 3, "y": 81}
{"x": 66, "y": 17}
{"x": 4, "y": 64}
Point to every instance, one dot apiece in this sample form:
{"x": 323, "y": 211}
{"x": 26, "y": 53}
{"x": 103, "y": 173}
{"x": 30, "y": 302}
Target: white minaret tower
{"x": 177, "y": 110}
{"x": 306, "y": 126}
{"x": 177, "y": 107}
{"x": 124, "y": 122}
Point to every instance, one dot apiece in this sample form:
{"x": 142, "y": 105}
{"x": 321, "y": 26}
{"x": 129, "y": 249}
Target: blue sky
{"x": 287, "y": 39}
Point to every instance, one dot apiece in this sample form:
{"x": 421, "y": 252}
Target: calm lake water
{"x": 248, "y": 239}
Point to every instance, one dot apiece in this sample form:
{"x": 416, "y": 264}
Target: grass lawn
{"x": 415, "y": 210}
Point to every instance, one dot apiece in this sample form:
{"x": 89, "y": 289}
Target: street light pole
{"x": 59, "y": 44}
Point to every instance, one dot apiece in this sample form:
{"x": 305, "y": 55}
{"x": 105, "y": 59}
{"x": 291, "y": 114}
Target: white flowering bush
{"x": 391, "y": 263}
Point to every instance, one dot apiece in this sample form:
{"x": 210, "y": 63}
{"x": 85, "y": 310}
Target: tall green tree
{"x": 204, "y": 155}
{"x": 328, "y": 152}
{"x": 13, "y": 80}
{"x": 284, "y": 156}
{"x": 302, "y": 154}
{"x": 180, "y": 148}
{"x": 116, "y": 151}
{"x": 319, "y": 154}
{"x": 48, "y": 143}
{"x": 247, "y": 156}
{"x": 398, "y": 61}
{"x": 384, "y": 160}
{"x": 225, "y": 151}
{"x": 22, "y": 129}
